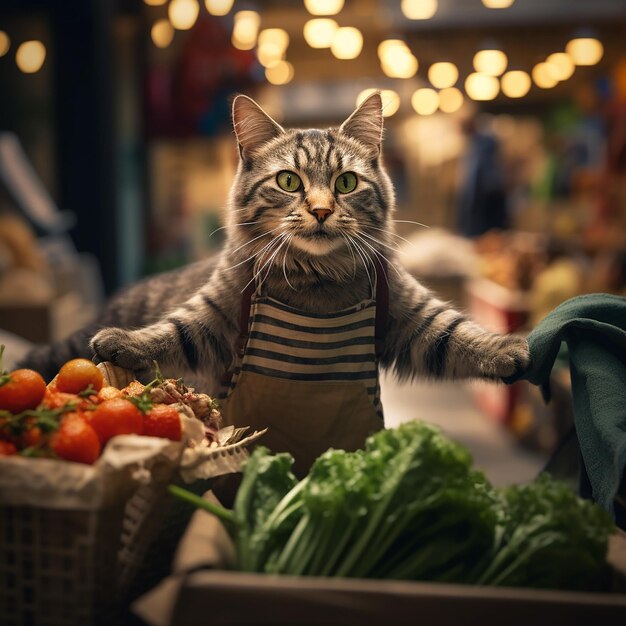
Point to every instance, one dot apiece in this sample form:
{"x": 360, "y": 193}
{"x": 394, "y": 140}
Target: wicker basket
{"x": 75, "y": 564}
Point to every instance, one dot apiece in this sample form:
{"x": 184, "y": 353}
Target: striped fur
{"x": 188, "y": 320}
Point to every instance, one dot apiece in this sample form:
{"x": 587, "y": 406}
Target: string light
{"x": 562, "y": 65}
{"x": 515, "y": 84}
{"x": 273, "y": 43}
{"x": 585, "y": 50}
{"x": 323, "y": 7}
{"x": 30, "y": 56}
{"x": 183, "y": 13}
{"x": 498, "y": 4}
{"x": 280, "y": 73}
{"x": 347, "y": 43}
{"x": 218, "y": 7}
{"x": 481, "y": 87}
{"x": 543, "y": 76}
{"x": 443, "y": 74}
{"x": 162, "y": 33}
{"x": 425, "y": 101}
{"x": 245, "y": 29}
{"x": 319, "y": 32}
{"x": 491, "y": 62}
{"x": 419, "y": 9}
{"x": 5, "y": 43}
{"x": 396, "y": 60}
{"x": 450, "y": 99}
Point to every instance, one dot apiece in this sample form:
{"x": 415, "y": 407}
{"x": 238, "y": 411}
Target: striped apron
{"x": 310, "y": 378}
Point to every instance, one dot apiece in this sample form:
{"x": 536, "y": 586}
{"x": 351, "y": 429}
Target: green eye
{"x": 288, "y": 181}
{"x": 346, "y": 182}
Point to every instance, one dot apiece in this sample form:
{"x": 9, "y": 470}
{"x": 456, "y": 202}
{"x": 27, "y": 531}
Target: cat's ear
{"x": 366, "y": 123}
{"x": 253, "y": 126}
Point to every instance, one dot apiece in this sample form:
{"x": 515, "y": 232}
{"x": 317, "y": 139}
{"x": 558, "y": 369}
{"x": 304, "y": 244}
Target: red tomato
{"x": 76, "y": 440}
{"x": 56, "y": 399}
{"x": 117, "y": 416}
{"x": 20, "y": 390}
{"x": 7, "y": 448}
{"x": 76, "y": 375}
{"x": 31, "y": 436}
{"x": 162, "y": 420}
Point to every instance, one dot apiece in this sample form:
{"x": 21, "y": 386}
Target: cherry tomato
{"x": 56, "y": 399}
{"x": 117, "y": 416}
{"x": 76, "y": 375}
{"x": 7, "y": 448}
{"x": 20, "y": 390}
{"x": 162, "y": 420}
{"x": 76, "y": 440}
{"x": 31, "y": 436}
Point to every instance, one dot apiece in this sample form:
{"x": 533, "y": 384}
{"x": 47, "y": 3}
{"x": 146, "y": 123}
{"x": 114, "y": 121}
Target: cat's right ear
{"x": 253, "y": 126}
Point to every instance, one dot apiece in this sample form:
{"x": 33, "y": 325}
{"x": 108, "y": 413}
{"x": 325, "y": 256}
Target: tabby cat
{"x": 309, "y": 212}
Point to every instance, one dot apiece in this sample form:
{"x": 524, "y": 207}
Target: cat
{"x": 309, "y": 213}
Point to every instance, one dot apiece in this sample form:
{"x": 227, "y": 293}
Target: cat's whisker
{"x": 379, "y": 242}
{"x": 217, "y": 230}
{"x": 352, "y": 254}
{"x": 411, "y": 222}
{"x": 261, "y": 258}
{"x": 394, "y": 234}
{"x": 365, "y": 258}
{"x": 273, "y": 230}
{"x": 254, "y": 254}
{"x": 284, "y": 260}
{"x": 285, "y": 239}
{"x": 379, "y": 254}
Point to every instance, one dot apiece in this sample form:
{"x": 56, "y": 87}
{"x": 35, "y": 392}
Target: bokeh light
{"x": 319, "y": 32}
{"x": 450, "y": 99}
{"x": 425, "y": 101}
{"x": 347, "y": 43}
{"x": 30, "y": 56}
{"x": 491, "y": 62}
{"x": 419, "y": 9}
{"x": 183, "y": 13}
{"x": 162, "y": 33}
{"x": 585, "y": 50}
{"x": 481, "y": 87}
{"x": 323, "y": 7}
{"x": 515, "y": 84}
{"x": 443, "y": 74}
{"x": 219, "y": 7}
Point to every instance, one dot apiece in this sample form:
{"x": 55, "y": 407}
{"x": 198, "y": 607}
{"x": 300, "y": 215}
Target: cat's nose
{"x": 321, "y": 213}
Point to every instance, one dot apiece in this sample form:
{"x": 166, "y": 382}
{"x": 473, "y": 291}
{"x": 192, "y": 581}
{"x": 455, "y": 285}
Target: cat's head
{"x": 312, "y": 192}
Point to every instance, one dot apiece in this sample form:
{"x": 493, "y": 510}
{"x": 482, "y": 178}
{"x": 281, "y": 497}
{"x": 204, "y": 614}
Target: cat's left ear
{"x": 253, "y": 126}
{"x": 366, "y": 123}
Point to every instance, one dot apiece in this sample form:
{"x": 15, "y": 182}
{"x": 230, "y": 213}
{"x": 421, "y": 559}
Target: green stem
{"x": 220, "y": 512}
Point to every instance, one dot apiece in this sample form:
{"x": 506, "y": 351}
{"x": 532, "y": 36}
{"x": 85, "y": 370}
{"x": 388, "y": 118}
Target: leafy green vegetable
{"x": 550, "y": 538}
{"x": 410, "y": 506}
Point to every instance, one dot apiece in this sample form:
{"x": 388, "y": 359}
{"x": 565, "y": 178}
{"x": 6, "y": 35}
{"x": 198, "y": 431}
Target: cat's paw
{"x": 121, "y": 348}
{"x": 512, "y": 359}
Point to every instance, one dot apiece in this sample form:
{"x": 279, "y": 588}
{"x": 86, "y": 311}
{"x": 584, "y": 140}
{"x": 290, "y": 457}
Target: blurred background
{"x": 505, "y": 137}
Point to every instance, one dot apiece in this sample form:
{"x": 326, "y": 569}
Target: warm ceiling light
{"x": 275, "y": 36}
{"x": 30, "y": 56}
{"x": 515, "y": 84}
{"x": 443, "y": 74}
{"x": 162, "y": 33}
{"x": 319, "y": 32}
{"x": 396, "y": 60}
{"x": 218, "y": 7}
{"x": 280, "y": 73}
{"x": 481, "y": 87}
{"x": 425, "y": 101}
{"x": 183, "y": 13}
{"x": 498, "y": 4}
{"x": 450, "y": 99}
{"x": 419, "y": 9}
{"x": 585, "y": 50}
{"x": 490, "y": 62}
{"x": 543, "y": 76}
{"x": 389, "y": 97}
{"x": 562, "y": 65}
{"x": 347, "y": 43}
{"x": 5, "y": 43}
{"x": 323, "y": 7}
{"x": 245, "y": 29}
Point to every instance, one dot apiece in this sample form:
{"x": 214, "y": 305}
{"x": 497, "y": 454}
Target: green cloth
{"x": 594, "y": 328}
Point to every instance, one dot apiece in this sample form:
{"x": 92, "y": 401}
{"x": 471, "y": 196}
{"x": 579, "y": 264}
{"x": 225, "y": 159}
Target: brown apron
{"x": 311, "y": 379}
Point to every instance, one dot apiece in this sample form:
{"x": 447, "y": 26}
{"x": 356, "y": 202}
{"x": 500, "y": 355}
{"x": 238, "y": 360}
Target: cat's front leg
{"x": 429, "y": 338}
{"x": 134, "y": 350}
{"x": 196, "y": 337}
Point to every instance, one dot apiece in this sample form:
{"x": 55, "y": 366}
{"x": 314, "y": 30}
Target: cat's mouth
{"x": 317, "y": 241}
